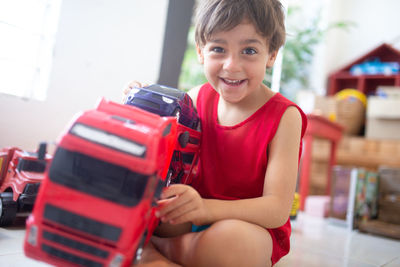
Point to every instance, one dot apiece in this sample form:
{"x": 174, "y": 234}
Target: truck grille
{"x": 65, "y": 241}
{"x": 81, "y": 223}
{"x": 70, "y": 257}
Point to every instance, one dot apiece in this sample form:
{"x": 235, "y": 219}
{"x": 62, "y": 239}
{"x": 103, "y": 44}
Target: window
{"x": 27, "y": 30}
{"x": 98, "y": 178}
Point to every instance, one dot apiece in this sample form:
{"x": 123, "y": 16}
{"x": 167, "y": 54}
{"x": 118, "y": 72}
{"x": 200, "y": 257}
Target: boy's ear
{"x": 271, "y": 59}
{"x": 200, "y": 55}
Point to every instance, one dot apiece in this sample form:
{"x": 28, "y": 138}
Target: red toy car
{"x": 21, "y": 173}
{"x": 96, "y": 205}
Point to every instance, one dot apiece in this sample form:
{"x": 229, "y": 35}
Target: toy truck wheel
{"x": 183, "y": 139}
{"x": 8, "y": 209}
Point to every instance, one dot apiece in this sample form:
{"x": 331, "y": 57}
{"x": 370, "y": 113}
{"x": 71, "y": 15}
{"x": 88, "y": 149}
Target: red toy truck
{"x": 96, "y": 204}
{"x": 21, "y": 173}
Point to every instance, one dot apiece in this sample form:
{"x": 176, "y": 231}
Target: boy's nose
{"x": 232, "y": 63}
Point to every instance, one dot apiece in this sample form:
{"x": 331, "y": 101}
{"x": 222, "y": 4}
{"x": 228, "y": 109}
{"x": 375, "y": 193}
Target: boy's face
{"x": 235, "y": 61}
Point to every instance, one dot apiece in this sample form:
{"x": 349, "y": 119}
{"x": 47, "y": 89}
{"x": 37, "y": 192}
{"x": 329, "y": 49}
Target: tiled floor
{"x": 315, "y": 242}
{"x": 319, "y": 242}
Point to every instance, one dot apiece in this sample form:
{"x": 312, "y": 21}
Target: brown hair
{"x": 267, "y": 16}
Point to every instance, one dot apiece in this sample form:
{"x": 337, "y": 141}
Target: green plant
{"x": 192, "y": 71}
{"x": 298, "y": 52}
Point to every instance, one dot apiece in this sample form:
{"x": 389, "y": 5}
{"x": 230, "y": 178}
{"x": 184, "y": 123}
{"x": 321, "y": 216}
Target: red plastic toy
{"x": 96, "y": 205}
{"x": 21, "y": 173}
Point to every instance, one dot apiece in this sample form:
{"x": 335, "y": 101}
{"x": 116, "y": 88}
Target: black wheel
{"x": 183, "y": 139}
{"x": 8, "y": 209}
{"x": 139, "y": 250}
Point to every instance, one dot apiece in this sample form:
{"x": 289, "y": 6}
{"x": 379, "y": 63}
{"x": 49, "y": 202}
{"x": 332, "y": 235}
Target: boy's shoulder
{"x": 193, "y": 93}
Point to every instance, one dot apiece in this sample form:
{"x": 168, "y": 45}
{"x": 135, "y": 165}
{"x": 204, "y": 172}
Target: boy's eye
{"x": 217, "y": 49}
{"x": 249, "y": 51}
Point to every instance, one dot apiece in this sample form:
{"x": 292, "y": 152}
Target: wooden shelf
{"x": 367, "y": 84}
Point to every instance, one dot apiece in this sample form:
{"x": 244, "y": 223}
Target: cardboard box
{"x": 383, "y": 118}
{"x": 317, "y": 206}
{"x": 388, "y": 91}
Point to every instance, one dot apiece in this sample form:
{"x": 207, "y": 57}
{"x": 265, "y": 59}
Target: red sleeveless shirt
{"x": 233, "y": 159}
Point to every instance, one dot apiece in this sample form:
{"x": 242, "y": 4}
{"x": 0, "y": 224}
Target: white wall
{"x": 100, "y": 45}
{"x": 376, "y": 22}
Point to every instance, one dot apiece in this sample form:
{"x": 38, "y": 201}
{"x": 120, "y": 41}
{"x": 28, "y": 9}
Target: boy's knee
{"x": 240, "y": 240}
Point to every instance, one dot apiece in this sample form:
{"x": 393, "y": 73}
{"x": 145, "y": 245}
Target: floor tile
{"x": 315, "y": 242}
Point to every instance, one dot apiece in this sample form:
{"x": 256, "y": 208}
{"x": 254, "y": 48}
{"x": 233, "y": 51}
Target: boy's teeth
{"x": 232, "y": 81}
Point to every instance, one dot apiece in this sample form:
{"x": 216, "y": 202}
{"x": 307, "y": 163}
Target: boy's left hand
{"x": 181, "y": 203}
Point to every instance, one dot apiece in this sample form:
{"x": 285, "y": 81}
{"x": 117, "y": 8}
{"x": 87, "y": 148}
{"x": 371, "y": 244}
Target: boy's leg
{"x": 225, "y": 243}
{"x": 151, "y": 257}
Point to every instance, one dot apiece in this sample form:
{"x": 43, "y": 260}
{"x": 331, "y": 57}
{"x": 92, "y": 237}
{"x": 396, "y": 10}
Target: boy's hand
{"x": 181, "y": 203}
{"x": 131, "y": 85}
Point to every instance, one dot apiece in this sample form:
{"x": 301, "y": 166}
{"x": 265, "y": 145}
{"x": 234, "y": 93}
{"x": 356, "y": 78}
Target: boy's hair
{"x": 267, "y": 16}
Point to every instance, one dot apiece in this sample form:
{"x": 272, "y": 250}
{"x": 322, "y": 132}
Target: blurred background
{"x": 58, "y": 57}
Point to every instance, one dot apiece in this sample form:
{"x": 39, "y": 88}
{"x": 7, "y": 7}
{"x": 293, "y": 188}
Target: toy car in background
{"x": 21, "y": 173}
{"x": 375, "y": 66}
{"x": 97, "y": 203}
{"x": 165, "y": 101}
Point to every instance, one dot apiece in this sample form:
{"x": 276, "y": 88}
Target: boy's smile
{"x": 235, "y": 62}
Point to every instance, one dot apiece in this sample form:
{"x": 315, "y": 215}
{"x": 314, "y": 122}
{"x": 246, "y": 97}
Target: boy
{"x": 251, "y": 144}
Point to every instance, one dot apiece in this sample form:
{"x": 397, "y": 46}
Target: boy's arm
{"x": 193, "y": 93}
{"x": 269, "y": 211}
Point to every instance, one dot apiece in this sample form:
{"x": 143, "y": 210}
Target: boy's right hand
{"x": 132, "y": 84}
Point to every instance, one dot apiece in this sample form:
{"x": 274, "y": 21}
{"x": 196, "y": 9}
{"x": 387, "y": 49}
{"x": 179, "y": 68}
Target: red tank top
{"x": 233, "y": 159}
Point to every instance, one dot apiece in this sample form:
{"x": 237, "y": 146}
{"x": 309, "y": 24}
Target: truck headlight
{"x": 33, "y": 235}
{"x": 117, "y": 261}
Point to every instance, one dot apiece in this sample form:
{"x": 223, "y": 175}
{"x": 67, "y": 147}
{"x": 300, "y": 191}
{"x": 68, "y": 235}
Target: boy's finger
{"x": 177, "y": 213}
{"x": 173, "y": 190}
{"x": 187, "y": 217}
{"x": 173, "y": 204}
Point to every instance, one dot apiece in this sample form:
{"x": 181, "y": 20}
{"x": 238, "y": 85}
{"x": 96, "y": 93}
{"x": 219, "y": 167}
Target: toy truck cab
{"x": 21, "y": 173}
{"x": 165, "y": 101}
{"x": 96, "y": 203}
{"x": 168, "y": 101}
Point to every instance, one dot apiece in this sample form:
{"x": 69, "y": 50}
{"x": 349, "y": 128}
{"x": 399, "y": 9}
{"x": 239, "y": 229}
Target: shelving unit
{"x": 343, "y": 79}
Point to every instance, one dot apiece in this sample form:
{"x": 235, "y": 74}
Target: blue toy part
{"x": 165, "y": 101}
{"x": 375, "y": 67}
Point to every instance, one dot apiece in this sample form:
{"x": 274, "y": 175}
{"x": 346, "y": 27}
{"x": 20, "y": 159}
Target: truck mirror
{"x": 42, "y": 150}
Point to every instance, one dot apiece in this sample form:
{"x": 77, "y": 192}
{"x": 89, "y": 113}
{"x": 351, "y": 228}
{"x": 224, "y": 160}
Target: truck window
{"x": 98, "y": 178}
{"x": 107, "y": 139}
{"x": 31, "y": 165}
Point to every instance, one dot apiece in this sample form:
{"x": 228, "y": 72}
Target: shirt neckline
{"x": 251, "y": 117}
